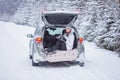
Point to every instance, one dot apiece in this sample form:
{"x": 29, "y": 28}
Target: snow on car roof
{"x": 66, "y": 12}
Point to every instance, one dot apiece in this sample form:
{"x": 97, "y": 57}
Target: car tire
{"x": 30, "y": 49}
{"x": 34, "y": 64}
{"x": 81, "y": 64}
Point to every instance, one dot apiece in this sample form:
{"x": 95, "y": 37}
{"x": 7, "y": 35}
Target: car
{"x": 45, "y": 37}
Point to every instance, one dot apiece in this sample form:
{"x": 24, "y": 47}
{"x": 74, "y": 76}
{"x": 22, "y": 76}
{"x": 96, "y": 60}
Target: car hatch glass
{"x": 56, "y": 31}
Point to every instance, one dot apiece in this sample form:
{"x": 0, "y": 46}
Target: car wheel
{"x": 81, "y": 64}
{"x": 33, "y": 59}
{"x": 34, "y": 64}
{"x": 30, "y": 49}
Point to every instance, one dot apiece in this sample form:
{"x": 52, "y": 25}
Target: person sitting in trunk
{"x": 66, "y": 40}
{"x": 69, "y": 37}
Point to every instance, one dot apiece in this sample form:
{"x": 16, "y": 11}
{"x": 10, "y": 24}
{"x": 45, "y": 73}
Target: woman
{"x": 68, "y": 34}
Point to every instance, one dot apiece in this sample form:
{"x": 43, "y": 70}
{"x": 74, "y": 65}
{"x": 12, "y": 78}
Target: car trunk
{"x": 50, "y": 40}
{"x": 55, "y": 23}
{"x": 50, "y": 37}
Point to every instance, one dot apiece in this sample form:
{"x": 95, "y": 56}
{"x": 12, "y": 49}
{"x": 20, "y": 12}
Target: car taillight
{"x": 80, "y": 40}
{"x": 38, "y": 40}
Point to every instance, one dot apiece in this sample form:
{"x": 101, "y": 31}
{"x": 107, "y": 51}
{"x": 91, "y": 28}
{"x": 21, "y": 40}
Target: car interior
{"x": 52, "y": 35}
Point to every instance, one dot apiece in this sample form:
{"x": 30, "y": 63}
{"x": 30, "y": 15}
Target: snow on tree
{"x": 99, "y": 22}
{"x": 8, "y": 8}
{"x": 109, "y": 34}
{"x": 25, "y": 14}
{"x": 89, "y": 20}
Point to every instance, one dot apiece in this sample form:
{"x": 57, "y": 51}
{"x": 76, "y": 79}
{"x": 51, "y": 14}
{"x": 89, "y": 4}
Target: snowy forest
{"x": 98, "y": 20}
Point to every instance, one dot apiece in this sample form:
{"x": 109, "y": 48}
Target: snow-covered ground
{"x": 15, "y": 64}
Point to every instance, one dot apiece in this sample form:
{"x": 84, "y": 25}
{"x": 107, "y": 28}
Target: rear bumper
{"x": 60, "y": 56}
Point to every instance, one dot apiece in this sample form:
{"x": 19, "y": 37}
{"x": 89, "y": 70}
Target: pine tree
{"x": 109, "y": 35}
{"x": 89, "y": 20}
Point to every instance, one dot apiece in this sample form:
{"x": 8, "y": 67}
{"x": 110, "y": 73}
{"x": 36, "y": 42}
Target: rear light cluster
{"x": 80, "y": 40}
{"x": 38, "y": 40}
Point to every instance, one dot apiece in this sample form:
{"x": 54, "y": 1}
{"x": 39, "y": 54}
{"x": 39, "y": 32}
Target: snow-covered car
{"x": 46, "y": 37}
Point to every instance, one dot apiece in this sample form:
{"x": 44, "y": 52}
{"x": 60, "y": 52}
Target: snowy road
{"x": 15, "y": 65}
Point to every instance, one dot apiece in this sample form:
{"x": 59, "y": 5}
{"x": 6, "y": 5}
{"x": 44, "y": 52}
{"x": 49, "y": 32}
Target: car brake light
{"x": 80, "y": 40}
{"x": 38, "y": 40}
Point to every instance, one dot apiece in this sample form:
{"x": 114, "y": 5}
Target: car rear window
{"x": 56, "y": 31}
